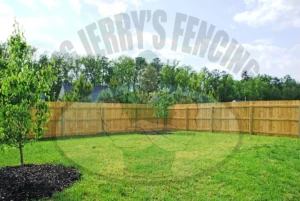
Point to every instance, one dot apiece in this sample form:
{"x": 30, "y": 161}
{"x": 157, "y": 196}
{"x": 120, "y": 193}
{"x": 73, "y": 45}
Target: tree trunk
{"x": 21, "y": 153}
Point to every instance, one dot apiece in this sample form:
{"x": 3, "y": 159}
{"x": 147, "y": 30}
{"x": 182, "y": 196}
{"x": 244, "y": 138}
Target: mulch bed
{"x": 35, "y": 181}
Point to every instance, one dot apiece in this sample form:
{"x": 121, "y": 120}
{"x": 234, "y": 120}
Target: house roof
{"x": 68, "y": 87}
{"x": 94, "y": 94}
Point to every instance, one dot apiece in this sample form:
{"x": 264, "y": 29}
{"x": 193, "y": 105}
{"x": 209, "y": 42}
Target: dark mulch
{"x": 35, "y": 181}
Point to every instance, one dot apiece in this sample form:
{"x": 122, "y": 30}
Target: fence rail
{"x": 280, "y": 118}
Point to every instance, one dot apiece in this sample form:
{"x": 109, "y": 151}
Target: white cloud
{"x": 29, "y": 3}
{"x": 33, "y": 30}
{"x": 264, "y": 41}
{"x": 112, "y": 7}
{"x": 276, "y": 61}
{"x": 279, "y": 13}
{"x": 232, "y": 27}
{"x": 108, "y": 9}
{"x": 50, "y": 3}
{"x": 138, "y": 3}
{"x": 76, "y": 5}
{"x": 38, "y": 23}
{"x": 6, "y": 20}
{"x": 5, "y": 10}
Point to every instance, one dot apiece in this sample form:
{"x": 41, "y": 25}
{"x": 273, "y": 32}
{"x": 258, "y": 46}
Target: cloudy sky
{"x": 268, "y": 29}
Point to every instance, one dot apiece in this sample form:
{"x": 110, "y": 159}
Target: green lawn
{"x": 178, "y": 166}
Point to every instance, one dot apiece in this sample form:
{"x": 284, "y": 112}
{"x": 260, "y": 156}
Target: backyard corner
{"x": 140, "y": 100}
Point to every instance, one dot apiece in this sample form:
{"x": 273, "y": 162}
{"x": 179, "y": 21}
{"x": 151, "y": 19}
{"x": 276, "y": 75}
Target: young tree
{"x": 23, "y": 113}
{"x": 161, "y": 101}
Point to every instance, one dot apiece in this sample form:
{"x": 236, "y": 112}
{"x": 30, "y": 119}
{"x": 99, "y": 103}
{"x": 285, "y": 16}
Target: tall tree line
{"x": 134, "y": 80}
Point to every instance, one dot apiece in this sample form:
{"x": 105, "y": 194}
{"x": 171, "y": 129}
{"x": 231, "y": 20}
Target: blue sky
{"x": 268, "y": 29}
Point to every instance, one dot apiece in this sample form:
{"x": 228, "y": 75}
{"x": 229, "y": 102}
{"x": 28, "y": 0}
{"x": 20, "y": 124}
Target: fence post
{"x": 100, "y": 112}
{"x": 136, "y": 119}
{"x": 103, "y": 120}
{"x": 299, "y": 122}
{"x": 212, "y": 120}
{"x": 187, "y": 119}
{"x": 251, "y": 120}
{"x": 62, "y": 121}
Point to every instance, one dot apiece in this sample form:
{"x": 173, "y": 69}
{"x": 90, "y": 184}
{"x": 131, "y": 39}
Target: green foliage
{"x": 149, "y": 80}
{"x": 189, "y": 97}
{"x": 122, "y": 95}
{"x": 94, "y": 68}
{"x": 140, "y": 65}
{"x": 168, "y": 74}
{"x": 107, "y": 96}
{"x": 23, "y": 112}
{"x": 81, "y": 91}
{"x": 161, "y": 101}
{"x": 123, "y": 72}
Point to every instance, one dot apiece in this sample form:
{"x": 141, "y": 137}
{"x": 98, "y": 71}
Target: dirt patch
{"x": 35, "y": 181}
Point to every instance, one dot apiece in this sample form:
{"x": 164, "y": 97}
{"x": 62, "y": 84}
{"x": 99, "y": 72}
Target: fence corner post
{"x": 212, "y": 120}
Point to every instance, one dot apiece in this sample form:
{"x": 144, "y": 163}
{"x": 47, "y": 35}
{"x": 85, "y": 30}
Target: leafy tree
{"x": 107, "y": 71}
{"x": 182, "y": 76}
{"x": 158, "y": 66}
{"x": 107, "y": 96}
{"x": 149, "y": 80}
{"x": 60, "y": 70}
{"x": 225, "y": 89}
{"x": 81, "y": 91}
{"x": 94, "y": 68}
{"x": 140, "y": 65}
{"x": 23, "y": 114}
{"x": 290, "y": 89}
{"x": 123, "y": 72}
{"x": 43, "y": 62}
{"x": 168, "y": 74}
{"x": 245, "y": 75}
{"x": 161, "y": 101}
{"x": 182, "y": 97}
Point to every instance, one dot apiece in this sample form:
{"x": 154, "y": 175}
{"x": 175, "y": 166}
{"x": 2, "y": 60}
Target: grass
{"x": 178, "y": 166}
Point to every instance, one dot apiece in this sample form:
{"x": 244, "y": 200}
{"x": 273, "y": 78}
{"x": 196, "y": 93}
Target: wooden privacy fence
{"x": 280, "y": 118}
